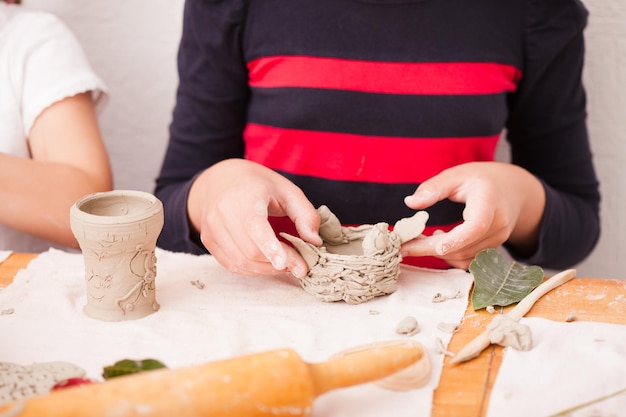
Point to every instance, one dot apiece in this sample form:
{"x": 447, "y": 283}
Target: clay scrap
{"x": 505, "y": 331}
{"x": 408, "y": 326}
{"x": 23, "y": 381}
{"x": 355, "y": 264}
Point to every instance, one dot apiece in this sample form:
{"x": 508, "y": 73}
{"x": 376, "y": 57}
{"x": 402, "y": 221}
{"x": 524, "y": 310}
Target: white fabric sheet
{"x": 4, "y": 254}
{"x": 231, "y": 316}
{"x": 570, "y": 364}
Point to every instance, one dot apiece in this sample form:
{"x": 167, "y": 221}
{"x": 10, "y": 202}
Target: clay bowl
{"x": 355, "y": 264}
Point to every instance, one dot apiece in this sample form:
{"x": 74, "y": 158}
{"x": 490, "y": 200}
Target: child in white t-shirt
{"x": 51, "y": 148}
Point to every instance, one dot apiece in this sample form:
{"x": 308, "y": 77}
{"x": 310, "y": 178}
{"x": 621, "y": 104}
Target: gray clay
{"x": 117, "y": 233}
{"x": 355, "y": 264}
{"x": 408, "y": 326}
{"x": 447, "y": 327}
{"x": 18, "y": 381}
{"x": 506, "y": 331}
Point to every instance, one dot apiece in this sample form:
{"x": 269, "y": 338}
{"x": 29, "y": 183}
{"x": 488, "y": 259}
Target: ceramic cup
{"x": 117, "y": 233}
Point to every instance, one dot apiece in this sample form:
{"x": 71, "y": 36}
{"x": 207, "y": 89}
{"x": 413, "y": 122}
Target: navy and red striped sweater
{"x": 357, "y": 102}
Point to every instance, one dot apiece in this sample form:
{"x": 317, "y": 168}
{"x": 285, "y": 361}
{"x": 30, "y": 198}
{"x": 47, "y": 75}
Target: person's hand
{"x": 229, "y": 203}
{"x": 503, "y": 202}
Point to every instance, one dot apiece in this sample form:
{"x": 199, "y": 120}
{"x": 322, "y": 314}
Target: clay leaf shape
{"x": 411, "y": 227}
{"x": 499, "y": 281}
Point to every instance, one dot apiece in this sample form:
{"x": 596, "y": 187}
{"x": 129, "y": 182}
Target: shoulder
{"x": 214, "y": 22}
{"x": 554, "y": 26}
{"x": 30, "y": 29}
{"x": 556, "y": 15}
{"x": 41, "y": 41}
{"x": 44, "y": 63}
{"x": 34, "y": 21}
{"x": 222, "y": 11}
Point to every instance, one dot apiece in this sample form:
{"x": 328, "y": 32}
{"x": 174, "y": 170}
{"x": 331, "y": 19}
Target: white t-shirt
{"x": 41, "y": 62}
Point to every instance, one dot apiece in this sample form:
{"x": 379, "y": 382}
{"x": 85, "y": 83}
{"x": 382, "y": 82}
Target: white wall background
{"x": 132, "y": 44}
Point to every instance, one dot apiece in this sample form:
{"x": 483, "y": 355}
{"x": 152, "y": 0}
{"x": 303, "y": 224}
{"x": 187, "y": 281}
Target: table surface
{"x": 464, "y": 389}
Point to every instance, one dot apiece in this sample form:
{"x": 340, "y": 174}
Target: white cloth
{"x": 570, "y": 364}
{"x": 41, "y": 62}
{"x": 4, "y": 254}
{"x": 231, "y": 316}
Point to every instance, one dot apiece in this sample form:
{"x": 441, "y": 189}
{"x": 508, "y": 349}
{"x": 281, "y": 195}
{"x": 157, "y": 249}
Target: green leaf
{"x": 499, "y": 281}
{"x": 128, "y": 366}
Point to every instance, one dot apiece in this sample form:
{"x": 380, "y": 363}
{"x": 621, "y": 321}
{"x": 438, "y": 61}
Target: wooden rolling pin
{"x": 274, "y": 383}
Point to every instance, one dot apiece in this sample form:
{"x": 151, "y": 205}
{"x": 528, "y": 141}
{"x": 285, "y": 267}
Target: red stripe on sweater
{"x": 383, "y": 77}
{"x": 349, "y": 157}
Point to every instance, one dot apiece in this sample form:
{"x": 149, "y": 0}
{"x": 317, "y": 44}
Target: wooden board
{"x": 12, "y": 264}
{"x": 464, "y": 389}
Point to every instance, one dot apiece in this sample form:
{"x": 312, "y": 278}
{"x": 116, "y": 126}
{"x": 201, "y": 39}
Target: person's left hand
{"x": 503, "y": 202}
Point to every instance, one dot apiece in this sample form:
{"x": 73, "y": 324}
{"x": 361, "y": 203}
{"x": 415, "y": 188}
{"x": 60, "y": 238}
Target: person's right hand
{"x": 229, "y": 203}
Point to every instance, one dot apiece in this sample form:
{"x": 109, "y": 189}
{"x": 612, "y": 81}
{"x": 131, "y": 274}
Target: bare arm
{"x": 69, "y": 160}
